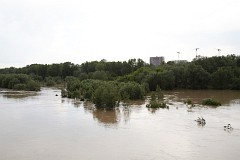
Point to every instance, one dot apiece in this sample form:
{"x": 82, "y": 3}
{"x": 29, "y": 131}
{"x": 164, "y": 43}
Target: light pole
{"x": 178, "y": 55}
{"x": 219, "y": 51}
{"x": 196, "y": 52}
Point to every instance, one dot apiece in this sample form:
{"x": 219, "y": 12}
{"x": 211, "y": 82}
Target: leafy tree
{"x": 179, "y": 72}
{"x": 50, "y": 81}
{"x": 222, "y": 78}
{"x": 197, "y": 77}
{"x": 100, "y": 75}
{"x": 54, "y": 70}
{"x": 67, "y": 69}
{"x": 167, "y": 80}
{"x": 19, "y": 82}
{"x": 132, "y": 90}
{"x": 105, "y": 96}
{"x": 83, "y": 76}
{"x": 236, "y": 84}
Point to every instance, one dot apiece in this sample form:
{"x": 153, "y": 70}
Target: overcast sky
{"x": 55, "y": 31}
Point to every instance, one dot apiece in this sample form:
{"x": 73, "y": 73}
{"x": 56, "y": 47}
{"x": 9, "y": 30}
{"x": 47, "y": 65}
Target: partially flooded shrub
{"x": 131, "y": 90}
{"x": 188, "y": 101}
{"x": 210, "y": 102}
{"x": 156, "y": 104}
{"x": 50, "y": 82}
{"x": 19, "y": 87}
{"x": 33, "y": 86}
{"x": 64, "y": 93}
{"x": 106, "y": 96}
{"x": 19, "y": 82}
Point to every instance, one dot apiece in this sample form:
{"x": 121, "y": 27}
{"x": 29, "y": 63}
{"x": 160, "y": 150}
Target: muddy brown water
{"x": 45, "y": 126}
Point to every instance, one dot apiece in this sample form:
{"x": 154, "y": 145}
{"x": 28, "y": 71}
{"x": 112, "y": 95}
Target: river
{"x": 45, "y": 126}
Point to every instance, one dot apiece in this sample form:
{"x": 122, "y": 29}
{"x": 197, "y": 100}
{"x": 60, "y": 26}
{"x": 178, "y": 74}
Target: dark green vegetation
{"x": 156, "y": 100}
{"x": 188, "y": 101}
{"x": 156, "y": 104}
{"x": 103, "y": 93}
{"x": 129, "y": 79}
{"x": 210, "y": 102}
{"x": 18, "y": 82}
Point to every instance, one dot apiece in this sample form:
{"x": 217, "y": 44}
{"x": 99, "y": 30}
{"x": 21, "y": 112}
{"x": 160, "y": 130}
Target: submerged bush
{"x": 33, "y": 86}
{"x": 210, "y": 102}
{"x": 188, "y": 101}
{"x": 19, "y": 87}
{"x": 106, "y": 96}
{"x": 103, "y": 93}
{"x": 156, "y": 104}
{"x": 64, "y": 93}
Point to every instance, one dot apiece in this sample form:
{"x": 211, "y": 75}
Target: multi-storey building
{"x": 156, "y": 61}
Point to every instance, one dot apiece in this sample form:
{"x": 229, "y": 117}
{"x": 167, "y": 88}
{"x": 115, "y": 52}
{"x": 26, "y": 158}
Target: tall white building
{"x": 156, "y": 61}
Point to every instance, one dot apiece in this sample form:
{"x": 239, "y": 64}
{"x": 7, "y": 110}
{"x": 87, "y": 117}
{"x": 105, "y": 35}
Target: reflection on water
{"x": 17, "y": 94}
{"x": 50, "y": 127}
{"x": 107, "y": 116}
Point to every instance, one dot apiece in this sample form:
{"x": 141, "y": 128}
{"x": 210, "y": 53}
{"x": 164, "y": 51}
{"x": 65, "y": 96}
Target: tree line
{"x": 219, "y": 72}
{"x": 89, "y": 70}
{"x": 18, "y": 82}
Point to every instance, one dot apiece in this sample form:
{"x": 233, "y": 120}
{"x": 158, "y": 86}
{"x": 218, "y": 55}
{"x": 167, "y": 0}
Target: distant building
{"x": 156, "y": 61}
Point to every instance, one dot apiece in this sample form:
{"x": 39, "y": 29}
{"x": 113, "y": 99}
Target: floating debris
{"x": 201, "y": 121}
{"x": 228, "y": 127}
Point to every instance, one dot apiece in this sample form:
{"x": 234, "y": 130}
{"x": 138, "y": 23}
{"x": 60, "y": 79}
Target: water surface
{"x": 45, "y": 126}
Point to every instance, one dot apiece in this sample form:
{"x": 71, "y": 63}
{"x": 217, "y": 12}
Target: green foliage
{"x": 155, "y": 104}
{"x": 100, "y": 75}
{"x": 188, "y": 101}
{"x": 167, "y": 80}
{"x": 222, "y": 72}
{"x": 83, "y": 76}
{"x": 222, "y": 78}
{"x": 210, "y": 102}
{"x": 212, "y": 64}
{"x": 106, "y": 96}
{"x": 179, "y": 71}
{"x": 132, "y": 90}
{"x": 197, "y": 77}
{"x": 236, "y": 84}
{"x": 32, "y": 86}
{"x": 18, "y": 82}
{"x": 64, "y": 93}
{"x": 102, "y": 93}
{"x": 50, "y": 81}
{"x": 159, "y": 93}
{"x": 100, "y": 66}
{"x": 19, "y": 87}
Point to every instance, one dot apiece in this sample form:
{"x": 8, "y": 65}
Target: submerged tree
{"x": 106, "y": 96}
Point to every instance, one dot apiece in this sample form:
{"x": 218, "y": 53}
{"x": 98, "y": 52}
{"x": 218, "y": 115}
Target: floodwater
{"x": 45, "y": 126}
